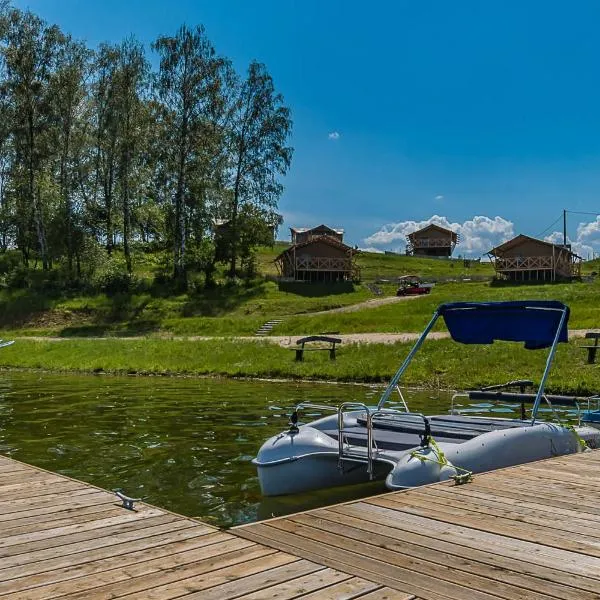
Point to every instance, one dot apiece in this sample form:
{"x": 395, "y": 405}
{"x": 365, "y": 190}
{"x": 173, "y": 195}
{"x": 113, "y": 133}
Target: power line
{"x": 549, "y": 227}
{"x": 579, "y": 212}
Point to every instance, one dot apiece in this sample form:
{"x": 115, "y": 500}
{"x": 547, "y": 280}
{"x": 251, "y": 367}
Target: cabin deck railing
{"x": 563, "y": 266}
{"x": 431, "y": 243}
{"x": 323, "y": 263}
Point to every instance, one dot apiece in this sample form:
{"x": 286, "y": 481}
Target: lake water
{"x": 182, "y": 444}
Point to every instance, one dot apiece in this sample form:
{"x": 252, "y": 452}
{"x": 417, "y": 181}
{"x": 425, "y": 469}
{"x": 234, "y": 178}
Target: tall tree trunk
{"x": 40, "y": 230}
{"x": 126, "y": 214}
{"x": 35, "y": 198}
{"x": 233, "y": 220}
{"x": 179, "y": 271}
{"x": 108, "y": 201}
{"x": 68, "y": 206}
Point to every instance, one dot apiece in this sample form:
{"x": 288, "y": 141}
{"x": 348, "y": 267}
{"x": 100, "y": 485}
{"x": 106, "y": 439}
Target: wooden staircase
{"x": 267, "y": 327}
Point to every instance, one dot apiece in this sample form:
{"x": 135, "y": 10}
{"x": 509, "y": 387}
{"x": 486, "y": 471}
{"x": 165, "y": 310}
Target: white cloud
{"x": 477, "y": 235}
{"x": 586, "y": 242}
{"x": 589, "y": 231}
{"x": 372, "y": 249}
{"x": 480, "y": 234}
{"x": 334, "y": 135}
{"x": 439, "y": 197}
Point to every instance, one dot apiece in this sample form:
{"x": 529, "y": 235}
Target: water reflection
{"x": 183, "y": 444}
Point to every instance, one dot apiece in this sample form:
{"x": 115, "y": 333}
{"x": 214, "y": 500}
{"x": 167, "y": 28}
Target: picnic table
{"x": 317, "y": 338}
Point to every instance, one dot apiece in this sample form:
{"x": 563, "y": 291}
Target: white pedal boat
{"x": 358, "y": 443}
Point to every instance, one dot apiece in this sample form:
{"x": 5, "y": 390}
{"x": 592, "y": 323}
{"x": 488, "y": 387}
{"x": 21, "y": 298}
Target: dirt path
{"x": 290, "y": 340}
{"x": 373, "y": 303}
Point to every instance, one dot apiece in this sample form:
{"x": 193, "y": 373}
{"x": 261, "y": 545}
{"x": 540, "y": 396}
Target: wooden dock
{"x": 530, "y": 532}
{"x": 60, "y": 538}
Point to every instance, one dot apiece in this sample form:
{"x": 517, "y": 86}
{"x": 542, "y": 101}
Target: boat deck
{"x": 529, "y": 532}
{"x": 60, "y": 538}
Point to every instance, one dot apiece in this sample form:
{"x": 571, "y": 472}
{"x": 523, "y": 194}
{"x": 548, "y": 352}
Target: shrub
{"x": 114, "y": 279}
{"x": 18, "y": 277}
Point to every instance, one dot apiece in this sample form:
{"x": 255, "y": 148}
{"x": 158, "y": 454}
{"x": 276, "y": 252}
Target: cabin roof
{"x": 521, "y": 239}
{"x": 325, "y": 239}
{"x": 433, "y": 226}
{"x": 322, "y": 226}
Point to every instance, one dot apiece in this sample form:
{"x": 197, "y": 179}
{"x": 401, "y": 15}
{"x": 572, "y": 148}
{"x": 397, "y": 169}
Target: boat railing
{"x": 371, "y": 415}
{"x": 352, "y": 406}
{"x": 497, "y": 394}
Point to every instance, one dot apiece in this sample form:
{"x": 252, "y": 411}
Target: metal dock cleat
{"x": 128, "y": 502}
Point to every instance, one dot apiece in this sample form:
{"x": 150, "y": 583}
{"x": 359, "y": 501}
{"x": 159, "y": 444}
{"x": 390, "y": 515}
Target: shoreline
{"x": 443, "y": 365}
{"x": 380, "y": 385}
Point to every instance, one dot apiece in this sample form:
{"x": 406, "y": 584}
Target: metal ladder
{"x": 347, "y": 452}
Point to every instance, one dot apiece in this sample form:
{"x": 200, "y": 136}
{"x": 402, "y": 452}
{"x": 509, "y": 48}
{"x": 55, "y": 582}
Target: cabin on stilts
{"x": 318, "y": 255}
{"x": 528, "y": 259}
{"x": 432, "y": 240}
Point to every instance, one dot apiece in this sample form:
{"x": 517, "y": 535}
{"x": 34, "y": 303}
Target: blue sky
{"x": 477, "y": 108}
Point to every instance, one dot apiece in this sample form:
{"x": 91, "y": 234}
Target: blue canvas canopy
{"x": 534, "y": 322}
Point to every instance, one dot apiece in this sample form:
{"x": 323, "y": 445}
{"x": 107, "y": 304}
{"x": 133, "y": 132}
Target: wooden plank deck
{"x": 60, "y": 538}
{"x": 530, "y": 532}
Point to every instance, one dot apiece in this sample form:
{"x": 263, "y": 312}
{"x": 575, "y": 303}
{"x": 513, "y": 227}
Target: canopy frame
{"x": 556, "y": 307}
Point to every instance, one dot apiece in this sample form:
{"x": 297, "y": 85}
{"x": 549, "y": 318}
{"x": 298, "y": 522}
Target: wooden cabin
{"x": 301, "y": 235}
{"x": 432, "y": 240}
{"x": 318, "y": 255}
{"x": 528, "y": 259}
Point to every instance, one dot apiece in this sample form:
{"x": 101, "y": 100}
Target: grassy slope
{"x": 375, "y": 266}
{"x": 440, "y": 364}
{"x": 241, "y": 309}
{"x": 412, "y": 315}
{"x": 225, "y": 310}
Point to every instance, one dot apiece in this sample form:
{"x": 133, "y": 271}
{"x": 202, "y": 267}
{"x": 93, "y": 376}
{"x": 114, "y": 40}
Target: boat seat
{"x": 403, "y": 431}
{"x": 384, "y": 439}
{"x": 452, "y": 426}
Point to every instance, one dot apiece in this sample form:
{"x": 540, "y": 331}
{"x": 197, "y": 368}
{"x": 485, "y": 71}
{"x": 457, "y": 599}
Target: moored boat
{"x": 357, "y": 443}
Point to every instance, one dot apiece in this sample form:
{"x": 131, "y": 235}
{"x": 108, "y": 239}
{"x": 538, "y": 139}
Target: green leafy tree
{"x": 189, "y": 85}
{"x": 131, "y": 85}
{"x": 68, "y": 93}
{"x": 105, "y": 123}
{"x": 29, "y": 51}
{"x": 258, "y": 154}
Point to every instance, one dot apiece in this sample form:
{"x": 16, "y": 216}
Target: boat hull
{"x": 307, "y": 473}
{"x": 486, "y": 452}
{"x": 307, "y": 459}
{"x": 296, "y": 462}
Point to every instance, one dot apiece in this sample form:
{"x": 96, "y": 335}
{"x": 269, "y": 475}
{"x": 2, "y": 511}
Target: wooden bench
{"x": 316, "y": 338}
{"x": 592, "y": 349}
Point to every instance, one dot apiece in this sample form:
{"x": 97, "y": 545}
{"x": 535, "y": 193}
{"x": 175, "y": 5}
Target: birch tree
{"x": 68, "y": 93}
{"x": 257, "y": 139}
{"x": 29, "y": 53}
{"x": 189, "y": 85}
{"x": 131, "y": 82}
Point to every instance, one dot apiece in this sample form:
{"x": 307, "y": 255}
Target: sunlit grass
{"x": 440, "y": 364}
{"x": 413, "y": 315}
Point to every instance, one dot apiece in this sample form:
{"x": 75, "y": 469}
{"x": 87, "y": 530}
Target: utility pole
{"x": 564, "y": 227}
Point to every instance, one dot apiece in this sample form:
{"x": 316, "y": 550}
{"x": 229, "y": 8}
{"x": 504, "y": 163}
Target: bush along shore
{"x": 441, "y": 364}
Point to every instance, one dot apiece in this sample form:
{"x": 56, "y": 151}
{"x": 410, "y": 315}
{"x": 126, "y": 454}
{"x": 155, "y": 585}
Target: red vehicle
{"x": 411, "y": 285}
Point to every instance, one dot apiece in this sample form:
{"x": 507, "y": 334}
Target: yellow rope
{"x": 441, "y": 460}
{"x": 580, "y": 440}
